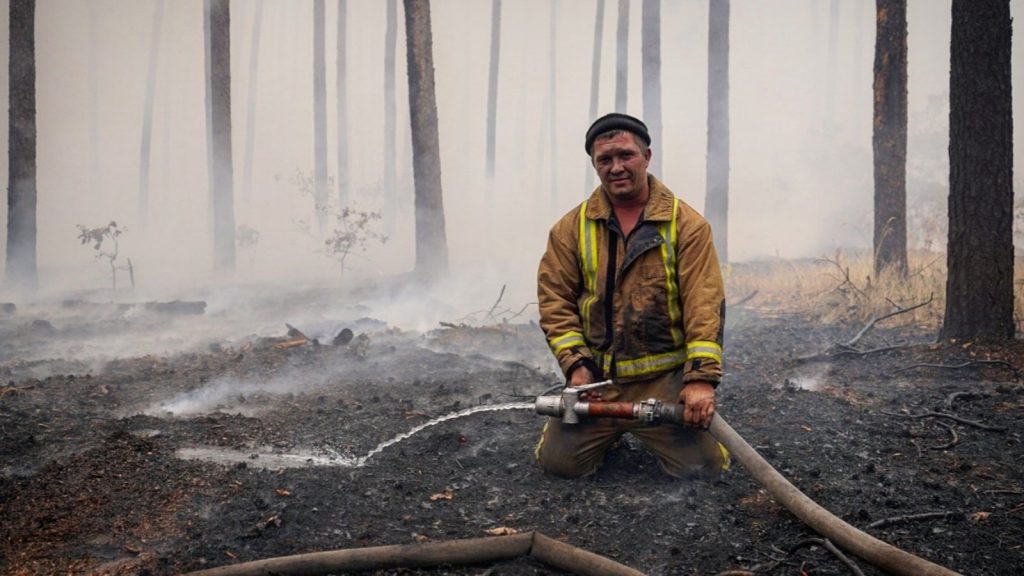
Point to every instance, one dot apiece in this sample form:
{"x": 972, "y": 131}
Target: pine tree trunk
{"x": 250, "y": 107}
{"x": 890, "y": 137}
{"x": 492, "y": 88}
{"x": 320, "y": 187}
{"x": 21, "y": 269}
{"x": 344, "y": 181}
{"x": 595, "y": 82}
{"x": 716, "y": 204}
{"x": 147, "y": 113}
{"x": 431, "y": 245}
{"x": 218, "y": 33}
{"x": 650, "y": 51}
{"x": 390, "y": 123}
{"x": 622, "y": 58}
{"x": 94, "y": 105}
{"x": 979, "y": 289}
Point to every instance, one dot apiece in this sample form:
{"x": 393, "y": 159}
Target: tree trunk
{"x": 979, "y": 289}
{"x": 21, "y": 269}
{"x": 595, "y": 82}
{"x": 344, "y": 181}
{"x": 147, "y": 113}
{"x": 492, "y": 88}
{"x": 650, "y": 51}
{"x": 319, "y": 116}
{"x": 218, "y": 34}
{"x": 431, "y": 245}
{"x": 94, "y": 106}
{"x": 390, "y": 124}
{"x": 890, "y": 137}
{"x": 716, "y": 203}
{"x": 622, "y": 58}
{"x": 250, "y": 108}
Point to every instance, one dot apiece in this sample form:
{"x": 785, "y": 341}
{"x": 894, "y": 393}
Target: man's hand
{"x": 698, "y": 400}
{"x": 580, "y": 376}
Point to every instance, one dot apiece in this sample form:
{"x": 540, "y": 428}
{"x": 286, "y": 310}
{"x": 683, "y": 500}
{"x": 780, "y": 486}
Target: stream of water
{"x": 292, "y": 460}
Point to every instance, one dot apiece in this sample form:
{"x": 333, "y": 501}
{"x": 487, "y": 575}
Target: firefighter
{"x": 630, "y": 290}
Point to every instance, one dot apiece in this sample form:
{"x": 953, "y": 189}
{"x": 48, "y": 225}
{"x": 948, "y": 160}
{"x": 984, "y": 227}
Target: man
{"x": 630, "y": 289}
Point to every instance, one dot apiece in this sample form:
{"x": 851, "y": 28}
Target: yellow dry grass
{"x": 842, "y": 288}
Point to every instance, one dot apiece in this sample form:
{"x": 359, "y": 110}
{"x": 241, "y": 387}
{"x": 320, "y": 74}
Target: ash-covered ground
{"x": 149, "y": 440}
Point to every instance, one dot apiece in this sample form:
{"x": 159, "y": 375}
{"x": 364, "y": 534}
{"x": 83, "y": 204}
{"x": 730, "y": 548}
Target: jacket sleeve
{"x": 703, "y": 300}
{"x": 558, "y": 290}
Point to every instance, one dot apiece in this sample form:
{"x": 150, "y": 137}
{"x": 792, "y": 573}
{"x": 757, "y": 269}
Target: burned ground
{"x": 95, "y": 478}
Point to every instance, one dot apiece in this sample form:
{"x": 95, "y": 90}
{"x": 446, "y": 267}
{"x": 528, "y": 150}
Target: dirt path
{"x": 94, "y": 479}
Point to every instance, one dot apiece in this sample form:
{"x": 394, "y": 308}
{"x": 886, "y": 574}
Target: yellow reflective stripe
{"x": 668, "y": 257}
{"x": 536, "y": 449}
{"x": 704, "y": 349}
{"x": 566, "y": 341}
{"x": 726, "y": 458}
{"x": 588, "y": 259}
{"x": 649, "y": 364}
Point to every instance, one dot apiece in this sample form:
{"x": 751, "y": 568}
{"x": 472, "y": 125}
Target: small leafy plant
{"x": 104, "y": 243}
{"x": 353, "y": 232}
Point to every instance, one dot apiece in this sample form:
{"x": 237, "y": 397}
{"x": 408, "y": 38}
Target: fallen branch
{"x": 871, "y": 351}
{"x": 965, "y": 394}
{"x": 877, "y": 319}
{"x": 743, "y": 300}
{"x": 955, "y": 418}
{"x": 911, "y": 518}
{"x": 951, "y": 443}
{"x": 828, "y": 545}
{"x": 967, "y": 364}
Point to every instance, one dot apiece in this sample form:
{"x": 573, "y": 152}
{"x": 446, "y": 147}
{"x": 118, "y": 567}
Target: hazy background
{"x": 801, "y": 182}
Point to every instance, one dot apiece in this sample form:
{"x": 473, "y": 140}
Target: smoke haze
{"x": 801, "y": 180}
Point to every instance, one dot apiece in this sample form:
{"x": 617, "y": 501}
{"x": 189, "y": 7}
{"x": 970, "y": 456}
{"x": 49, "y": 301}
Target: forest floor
{"x": 239, "y": 448}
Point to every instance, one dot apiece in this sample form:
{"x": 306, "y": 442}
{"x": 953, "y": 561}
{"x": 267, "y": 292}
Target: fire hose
{"x": 570, "y": 409}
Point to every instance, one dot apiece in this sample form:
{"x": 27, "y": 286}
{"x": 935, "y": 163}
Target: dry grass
{"x": 843, "y": 289}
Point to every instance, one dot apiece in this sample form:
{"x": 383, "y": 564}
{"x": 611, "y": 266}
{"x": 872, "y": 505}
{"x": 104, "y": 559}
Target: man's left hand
{"x": 698, "y": 400}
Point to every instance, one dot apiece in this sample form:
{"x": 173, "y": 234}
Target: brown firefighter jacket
{"x": 661, "y": 305}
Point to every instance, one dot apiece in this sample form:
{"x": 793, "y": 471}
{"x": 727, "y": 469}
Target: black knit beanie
{"x": 616, "y": 121}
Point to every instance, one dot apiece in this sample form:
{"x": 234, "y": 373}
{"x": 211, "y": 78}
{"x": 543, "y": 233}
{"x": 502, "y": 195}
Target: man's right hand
{"x": 581, "y": 376}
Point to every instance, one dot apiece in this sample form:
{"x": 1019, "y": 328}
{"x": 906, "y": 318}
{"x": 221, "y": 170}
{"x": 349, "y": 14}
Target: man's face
{"x": 622, "y": 167}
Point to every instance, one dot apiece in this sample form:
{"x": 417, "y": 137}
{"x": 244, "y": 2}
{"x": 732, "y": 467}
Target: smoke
{"x": 800, "y": 183}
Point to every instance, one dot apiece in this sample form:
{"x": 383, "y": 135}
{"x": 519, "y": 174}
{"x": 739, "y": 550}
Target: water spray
{"x": 571, "y": 407}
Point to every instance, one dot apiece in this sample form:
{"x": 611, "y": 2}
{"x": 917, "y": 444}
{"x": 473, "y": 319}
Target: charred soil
{"x": 163, "y": 464}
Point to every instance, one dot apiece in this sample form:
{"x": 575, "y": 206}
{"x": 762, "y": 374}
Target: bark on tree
{"x": 431, "y": 244}
{"x": 595, "y": 82}
{"x": 21, "y": 271}
{"x": 890, "y": 137}
{"x": 390, "y": 123}
{"x": 250, "y": 108}
{"x": 147, "y": 113}
{"x": 344, "y": 181}
{"x": 979, "y": 288}
{"x": 492, "y": 88}
{"x": 622, "y": 58}
{"x": 716, "y": 203}
{"x": 650, "y": 50}
{"x": 94, "y": 105}
{"x": 320, "y": 187}
{"x": 218, "y": 115}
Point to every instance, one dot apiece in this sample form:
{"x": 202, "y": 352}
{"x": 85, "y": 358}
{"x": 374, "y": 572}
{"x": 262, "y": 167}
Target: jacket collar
{"x": 659, "y": 206}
